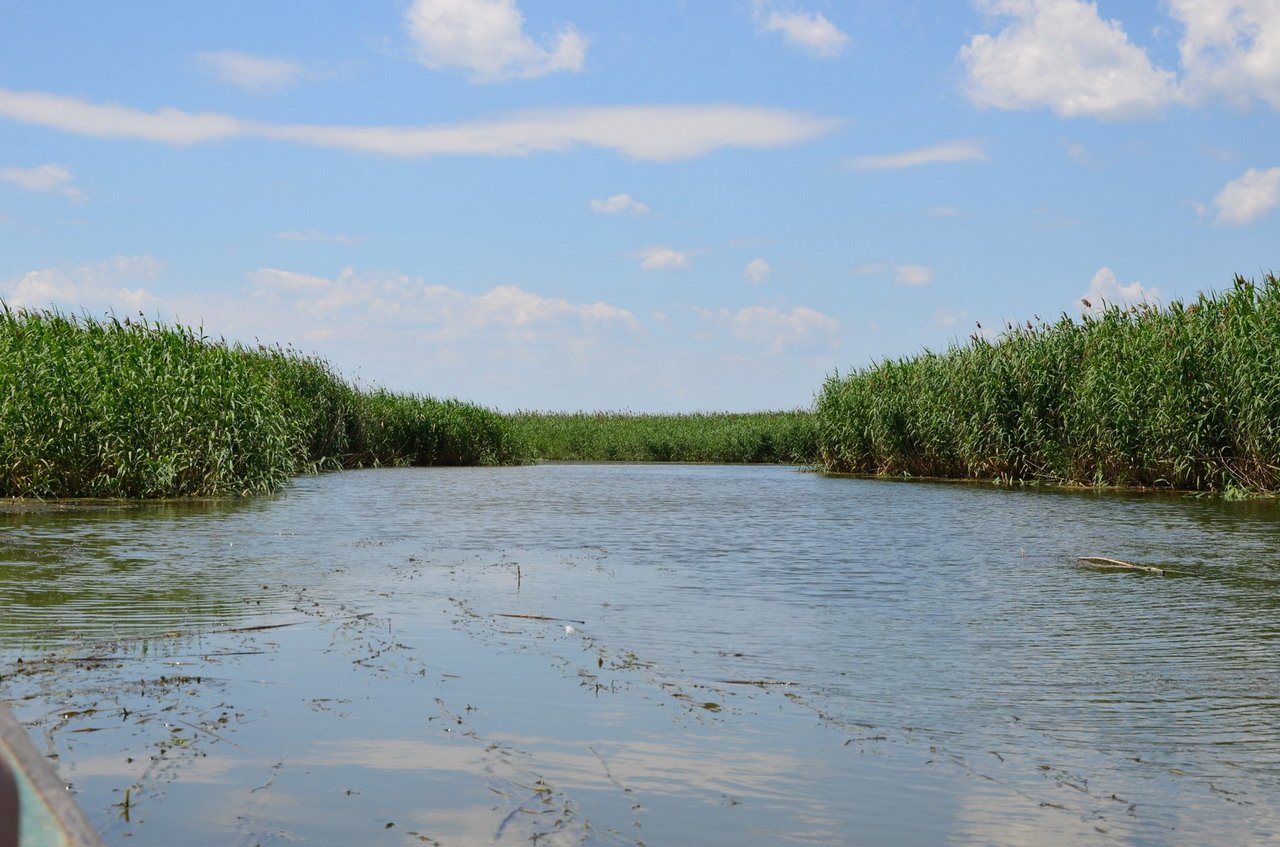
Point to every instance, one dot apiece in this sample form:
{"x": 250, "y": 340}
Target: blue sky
{"x": 658, "y": 206}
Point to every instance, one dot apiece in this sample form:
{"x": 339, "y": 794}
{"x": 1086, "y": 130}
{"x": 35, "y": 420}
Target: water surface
{"x": 734, "y": 655}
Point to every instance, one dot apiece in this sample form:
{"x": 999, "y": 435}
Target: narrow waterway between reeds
{"x": 630, "y": 654}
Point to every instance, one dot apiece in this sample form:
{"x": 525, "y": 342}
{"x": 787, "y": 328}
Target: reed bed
{"x": 1181, "y": 397}
{"x": 134, "y": 408}
{"x": 759, "y": 437}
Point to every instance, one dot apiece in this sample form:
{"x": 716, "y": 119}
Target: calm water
{"x": 738, "y": 655}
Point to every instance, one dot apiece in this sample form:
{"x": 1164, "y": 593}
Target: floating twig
{"x": 538, "y": 618}
{"x": 258, "y": 628}
{"x": 212, "y": 734}
{"x": 1105, "y": 563}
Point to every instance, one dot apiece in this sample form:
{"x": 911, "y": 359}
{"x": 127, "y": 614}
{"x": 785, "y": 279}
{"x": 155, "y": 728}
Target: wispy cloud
{"x": 255, "y": 74}
{"x": 1248, "y": 197}
{"x": 1048, "y": 219}
{"x": 908, "y": 275}
{"x": 778, "y": 329}
{"x": 960, "y": 150}
{"x": 617, "y": 204}
{"x": 391, "y": 299}
{"x": 663, "y": 259}
{"x": 274, "y": 279}
{"x": 318, "y": 236}
{"x": 488, "y": 37}
{"x": 811, "y": 32}
{"x": 949, "y": 318}
{"x": 757, "y": 271}
{"x": 43, "y": 178}
{"x": 111, "y": 284}
{"x": 913, "y": 275}
{"x": 654, "y": 133}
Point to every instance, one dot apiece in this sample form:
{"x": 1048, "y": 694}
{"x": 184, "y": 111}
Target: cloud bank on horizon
{"x": 662, "y": 207}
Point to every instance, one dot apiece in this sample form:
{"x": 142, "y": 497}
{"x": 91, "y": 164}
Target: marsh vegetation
{"x": 1185, "y": 397}
{"x": 727, "y": 438}
{"x": 134, "y": 408}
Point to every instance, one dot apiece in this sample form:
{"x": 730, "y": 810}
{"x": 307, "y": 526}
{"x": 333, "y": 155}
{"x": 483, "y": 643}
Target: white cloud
{"x": 1062, "y": 55}
{"x": 506, "y": 346}
{"x": 778, "y": 329}
{"x": 268, "y": 279}
{"x": 655, "y": 133}
{"x": 43, "y": 178}
{"x": 959, "y": 150}
{"x": 1221, "y": 154}
{"x": 1231, "y": 48}
{"x": 488, "y": 37}
{"x": 617, "y": 204}
{"x": 912, "y": 275}
{"x": 663, "y": 259}
{"x": 255, "y": 74}
{"x": 909, "y": 275}
{"x": 354, "y": 302}
{"x": 318, "y": 236}
{"x": 757, "y": 271}
{"x": 71, "y": 114}
{"x": 811, "y": 32}
{"x": 1248, "y": 197}
{"x": 945, "y": 212}
{"x": 1104, "y": 288}
{"x": 98, "y": 286}
{"x": 949, "y": 318}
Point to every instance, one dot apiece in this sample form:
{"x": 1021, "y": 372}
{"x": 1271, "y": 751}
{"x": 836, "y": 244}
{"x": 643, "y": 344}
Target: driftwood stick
{"x": 538, "y": 618}
{"x": 1104, "y": 562}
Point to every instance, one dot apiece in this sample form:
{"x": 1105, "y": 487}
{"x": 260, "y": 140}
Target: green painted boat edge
{"x": 50, "y": 818}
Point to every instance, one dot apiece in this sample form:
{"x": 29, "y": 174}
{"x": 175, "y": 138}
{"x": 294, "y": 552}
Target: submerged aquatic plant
{"x": 1186, "y": 397}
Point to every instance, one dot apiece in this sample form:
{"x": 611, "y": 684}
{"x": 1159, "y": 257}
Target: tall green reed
{"x": 759, "y": 437}
{"x": 134, "y": 408}
{"x": 1184, "y": 397}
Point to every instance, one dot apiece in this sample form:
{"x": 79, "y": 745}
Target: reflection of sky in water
{"x": 954, "y": 674}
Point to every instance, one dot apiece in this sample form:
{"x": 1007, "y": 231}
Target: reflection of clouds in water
{"x": 991, "y": 814}
{"x": 397, "y": 755}
{"x": 479, "y": 824}
{"x": 724, "y": 768}
{"x": 709, "y": 774}
{"x": 489, "y": 793}
{"x": 640, "y": 766}
{"x": 1005, "y": 817}
{"x": 199, "y": 769}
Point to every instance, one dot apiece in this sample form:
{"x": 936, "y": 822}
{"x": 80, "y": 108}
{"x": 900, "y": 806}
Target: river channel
{"x": 651, "y": 654}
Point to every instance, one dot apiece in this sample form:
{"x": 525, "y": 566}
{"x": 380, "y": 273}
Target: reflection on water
{"x": 754, "y": 655}
{"x": 124, "y": 568}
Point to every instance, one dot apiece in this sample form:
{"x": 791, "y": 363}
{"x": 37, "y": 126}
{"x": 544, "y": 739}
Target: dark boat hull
{"x": 45, "y": 812}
